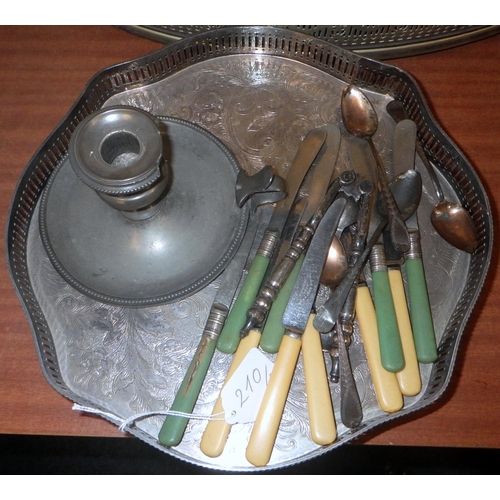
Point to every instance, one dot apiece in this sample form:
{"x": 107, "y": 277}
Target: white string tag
{"x": 243, "y": 392}
{"x": 124, "y": 423}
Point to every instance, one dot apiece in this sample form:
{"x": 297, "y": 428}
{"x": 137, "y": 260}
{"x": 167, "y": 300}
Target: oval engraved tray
{"x": 258, "y": 90}
{"x": 381, "y": 41}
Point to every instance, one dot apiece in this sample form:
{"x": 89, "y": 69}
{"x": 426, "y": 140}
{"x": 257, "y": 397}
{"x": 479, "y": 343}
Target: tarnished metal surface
{"x": 378, "y": 41}
{"x": 118, "y": 260}
{"x": 259, "y": 98}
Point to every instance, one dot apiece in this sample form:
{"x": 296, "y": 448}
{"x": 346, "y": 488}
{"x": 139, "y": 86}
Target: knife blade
{"x": 295, "y": 320}
{"x": 418, "y": 297}
{"x": 304, "y": 158}
{"x": 173, "y": 427}
{"x": 323, "y": 169}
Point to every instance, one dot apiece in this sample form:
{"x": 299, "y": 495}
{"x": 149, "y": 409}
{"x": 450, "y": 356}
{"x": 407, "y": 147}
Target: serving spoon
{"x": 450, "y": 220}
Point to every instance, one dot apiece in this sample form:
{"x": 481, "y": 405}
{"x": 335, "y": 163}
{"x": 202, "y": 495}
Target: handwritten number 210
{"x": 256, "y": 378}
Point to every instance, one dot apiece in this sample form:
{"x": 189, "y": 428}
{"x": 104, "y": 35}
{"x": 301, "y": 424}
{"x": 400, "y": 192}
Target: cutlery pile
{"x": 268, "y": 302}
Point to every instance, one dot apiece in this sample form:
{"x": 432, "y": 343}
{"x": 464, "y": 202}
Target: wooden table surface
{"x": 43, "y": 71}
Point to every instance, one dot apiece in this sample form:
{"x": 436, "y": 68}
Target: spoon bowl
{"x": 337, "y": 261}
{"x": 450, "y": 220}
{"x": 453, "y": 223}
{"x": 407, "y": 191}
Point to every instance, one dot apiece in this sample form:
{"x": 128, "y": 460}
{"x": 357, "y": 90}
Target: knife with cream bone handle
{"x": 295, "y": 320}
{"x": 307, "y": 152}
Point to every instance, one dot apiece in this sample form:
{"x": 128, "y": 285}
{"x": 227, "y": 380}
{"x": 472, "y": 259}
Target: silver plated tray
{"x": 259, "y": 90}
{"x": 380, "y": 41}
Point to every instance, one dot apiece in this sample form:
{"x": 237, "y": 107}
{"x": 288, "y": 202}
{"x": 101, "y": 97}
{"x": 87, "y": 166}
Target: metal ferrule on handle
{"x": 391, "y": 350}
{"x": 174, "y": 426}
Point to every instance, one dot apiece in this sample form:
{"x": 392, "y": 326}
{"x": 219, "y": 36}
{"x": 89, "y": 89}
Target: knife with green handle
{"x": 420, "y": 310}
{"x": 403, "y": 162}
{"x": 403, "y": 153}
{"x": 323, "y": 169}
{"x": 391, "y": 348}
{"x": 424, "y": 337}
{"x": 389, "y": 338}
{"x": 174, "y": 426}
{"x": 309, "y": 148}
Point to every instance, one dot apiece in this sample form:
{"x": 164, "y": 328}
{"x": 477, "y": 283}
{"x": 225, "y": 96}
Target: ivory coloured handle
{"x": 319, "y": 400}
{"x": 266, "y": 426}
{"x": 409, "y": 377}
{"x": 216, "y": 432}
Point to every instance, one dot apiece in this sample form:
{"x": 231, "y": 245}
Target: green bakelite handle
{"x": 420, "y": 312}
{"x": 174, "y": 426}
{"x": 391, "y": 349}
{"x": 273, "y": 331}
{"x": 229, "y": 337}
